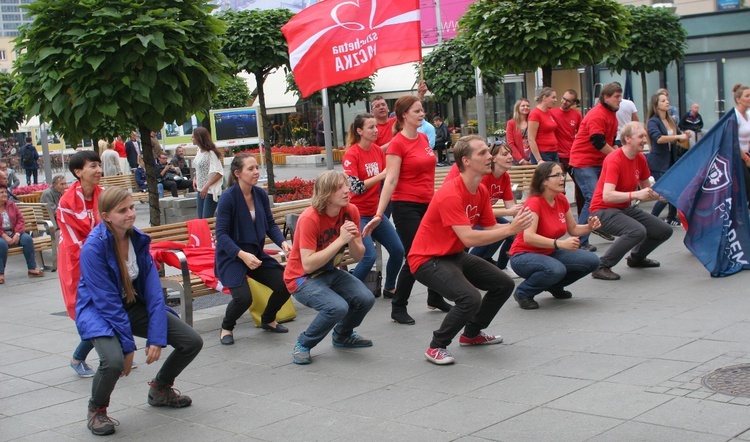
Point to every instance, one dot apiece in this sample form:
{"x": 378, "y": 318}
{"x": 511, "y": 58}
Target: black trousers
{"x": 273, "y": 278}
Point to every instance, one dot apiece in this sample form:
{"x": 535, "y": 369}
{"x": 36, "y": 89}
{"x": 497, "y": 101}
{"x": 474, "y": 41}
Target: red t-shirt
{"x": 120, "y": 149}
{"x": 385, "y": 131}
{"x": 364, "y": 164}
{"x": 452, "y": 173}
{"x": 315, "y": 232}
{"x": 624, "y": 173}
{"x": 499, "y": 188}
{"x": 599, "y": 120}
{"x": 552, "y": 223}
{"x": 453, "y": 205}
{"x": 545, "y": 134}
{"x": 416, "y": 181}
{"x": 568, "y": 123}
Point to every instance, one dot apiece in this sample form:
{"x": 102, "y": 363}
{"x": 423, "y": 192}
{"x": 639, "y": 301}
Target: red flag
{"x": 336, "y": 41}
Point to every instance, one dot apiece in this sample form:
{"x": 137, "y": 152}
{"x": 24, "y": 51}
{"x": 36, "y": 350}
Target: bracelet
{"x": 554, "y": 243}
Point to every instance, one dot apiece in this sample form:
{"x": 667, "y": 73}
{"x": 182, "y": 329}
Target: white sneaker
{"x": 509, "y": 271}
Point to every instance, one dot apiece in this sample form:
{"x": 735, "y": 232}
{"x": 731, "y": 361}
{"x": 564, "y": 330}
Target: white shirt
{"x": 743, "y": 127}
{"x": 625, "y": 114}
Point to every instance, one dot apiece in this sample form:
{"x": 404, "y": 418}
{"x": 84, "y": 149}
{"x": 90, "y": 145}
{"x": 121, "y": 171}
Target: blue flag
{"x": 707, "y": 184}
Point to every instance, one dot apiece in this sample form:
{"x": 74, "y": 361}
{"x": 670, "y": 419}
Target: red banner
{"x": 337, "y": 41}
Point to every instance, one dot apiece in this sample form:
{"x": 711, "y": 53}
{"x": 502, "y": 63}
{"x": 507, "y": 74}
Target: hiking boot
{"x": 399, "y": 314}
{"x": 589, "y": 247}
{"x": 83, "y": 369}
{"x": 99, "y": 423}
{"x": 641, "y": 263}
{"x": 605, "y": 273}
{"x": 354, "y": 340}
{"x": 604, "y": 235}
{"x": 439, "y": 356}
{"x": 301, "y": 354}
{"x": 481, "y": 339}
{"x": 525, "y": 303}
{"x": 166, "y": 396}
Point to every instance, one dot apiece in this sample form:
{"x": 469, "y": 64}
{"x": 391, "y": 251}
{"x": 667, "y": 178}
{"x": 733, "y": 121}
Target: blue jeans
{"x": 488, "y": 251}
{"x": 586, "y": 178}
{"x": 386, "y": 235}
{"x": 82, "y": 351}
{"x": 341, "y": 300}
{"x": 27, "y": 243}
{"x": 206, "y": 206}
{"x": 551, "y": 272}
{"x": 546, "y": 156}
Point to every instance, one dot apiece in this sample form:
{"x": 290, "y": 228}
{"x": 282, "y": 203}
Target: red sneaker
{"x": 439, "y": 356}
{"x": 481, "y": 339}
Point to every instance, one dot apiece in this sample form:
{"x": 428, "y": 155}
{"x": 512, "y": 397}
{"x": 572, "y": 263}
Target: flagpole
{"x": 481, "y": 117}
{"x": 327, "y": 129}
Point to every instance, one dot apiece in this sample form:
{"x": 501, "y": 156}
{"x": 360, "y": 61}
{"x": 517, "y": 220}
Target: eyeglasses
{"x": 566, "y": 100}
{"x": 557, "y": 175}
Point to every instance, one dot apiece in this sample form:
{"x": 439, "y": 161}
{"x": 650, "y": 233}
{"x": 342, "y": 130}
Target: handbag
{"x": 260, "y": 294}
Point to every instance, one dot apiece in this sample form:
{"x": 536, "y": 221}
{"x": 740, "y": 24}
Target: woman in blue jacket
{"x": 664, "y": 135}
{"x": 111, "y": 309}
{"x": 243, "y": 219}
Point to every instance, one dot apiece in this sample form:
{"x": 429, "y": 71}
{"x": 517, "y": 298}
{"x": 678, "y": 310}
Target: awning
{"x": 277, "y": 102}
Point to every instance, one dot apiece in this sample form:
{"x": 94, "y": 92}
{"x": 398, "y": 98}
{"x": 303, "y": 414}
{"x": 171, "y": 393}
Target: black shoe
{"x": 641, "y": 263}
{"x": 399, "y": 315}
{"x": 561, "y": 294}
{"x": 387, "y": 294}
{"x": 439, "y": 304}
{"x": 227, "y": 339}
{"x": 526, "y": 303}
{"x": 605, "y": 273}
{"x": 604, "y": 235}
{"x": 589, "y": 247}
{"x": 278, "y": 329}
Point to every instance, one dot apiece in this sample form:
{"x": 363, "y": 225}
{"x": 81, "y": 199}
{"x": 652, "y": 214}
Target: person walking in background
{"x": 209, "y": 172}
{"x": 539, "y": 254}
{"x": 119, "y": 297}
{"x": 516, "y": 132}
{"x": 30, "y": 162}
{"x": 110, "y": 161}
{"x": 312, "y": 274}
{"x": 542, "y": 127}
{"x": 364, "y": 165}
{"x": 243, "y": 220}
{"x": 692, "y": 121}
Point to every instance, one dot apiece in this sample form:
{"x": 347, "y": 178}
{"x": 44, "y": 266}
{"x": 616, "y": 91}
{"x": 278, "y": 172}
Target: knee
{"x": 638, "y": 234}
{"x": 470, "y": 301}
{"x": 112, "y": 366}
{"x": 662, "y": 233}
{"x": 368, "y": 259}
{"x": 26, "y": 240}
{"x": 336, "y": 310}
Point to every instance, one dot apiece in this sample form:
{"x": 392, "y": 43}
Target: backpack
{"x": 27, "y": 157}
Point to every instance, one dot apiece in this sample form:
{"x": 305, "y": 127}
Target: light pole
{"x": 45, "y": 154}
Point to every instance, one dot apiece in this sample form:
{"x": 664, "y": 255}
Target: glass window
{"x": 735, "y": 71}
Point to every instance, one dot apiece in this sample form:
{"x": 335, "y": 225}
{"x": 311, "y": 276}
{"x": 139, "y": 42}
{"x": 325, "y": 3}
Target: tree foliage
{"x": 347, "y": 93}
{"x": 254, "y": 43}
{"x": 11, "y": 108}
{"x": 232, "y": 93}
{"x": 449, "y": 72}
{"x": 516, "y": 36}
{"x": 656, "y": 39}
{"x": 138, "y": 63}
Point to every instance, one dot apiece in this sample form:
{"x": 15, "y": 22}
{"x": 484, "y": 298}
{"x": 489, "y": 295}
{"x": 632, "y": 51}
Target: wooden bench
{"x": 520, "y": 176}
{"x": 38, "y": 223}
{"x": 440, "y": 174}
{"x": 126, "y": 182}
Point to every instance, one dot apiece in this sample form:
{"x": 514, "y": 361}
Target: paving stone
{"x": 703, "y": 416}
{"x": 612, "y": 400}
{"x": 637, "y": 431}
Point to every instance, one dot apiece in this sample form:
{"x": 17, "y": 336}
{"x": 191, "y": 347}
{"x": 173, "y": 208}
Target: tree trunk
{"x": 464, "y": 111}
{"x": 547, "y": 76}
{"x": 456, "y": 112}
{"x": 148, "y": 162}
{"x": 267, "y": 130}
{"x": 644, "y": 118}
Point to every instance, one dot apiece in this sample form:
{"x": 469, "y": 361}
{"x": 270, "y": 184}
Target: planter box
{"x": 276, "y": 158}
{"x": 338, "y": 154}
{"x": 306, "y": 160}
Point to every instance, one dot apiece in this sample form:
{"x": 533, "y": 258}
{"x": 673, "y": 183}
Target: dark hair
{"x": 79, "y": 159}
{"x": 28, "y": 139}
{"x": 608, "y": 90}
{"x": 495, "y": 149}
{"x": 402, "y": 106}
{"x": 237, "y": 164}
{"x": 376, "y": 98}
{"x": 352, "y": 137}
{"x": 653, "y": 110}
{"x": 575, "y": 95}
{"x": 540, "y": 175}
{"x": 463, "y": 149}
{"x": 204, "y": 141}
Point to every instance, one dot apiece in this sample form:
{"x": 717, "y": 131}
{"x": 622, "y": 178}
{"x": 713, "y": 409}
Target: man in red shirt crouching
{"x": 445, "y": 267}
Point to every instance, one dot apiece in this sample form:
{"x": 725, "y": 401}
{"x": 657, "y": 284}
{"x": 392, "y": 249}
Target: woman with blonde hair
{"x": 542, "y": 127}
{"x": 516, "y": 132}
{"x": 209, "y": 172}
{"x": 119, "y": 297}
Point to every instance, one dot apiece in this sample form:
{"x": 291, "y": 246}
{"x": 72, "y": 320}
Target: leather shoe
{"x": 526, "y": 303}
{"x": 278, "y": 329}
{"x": 605, "y": 273}
{"x": 35, "y": 273}
{"x": 227, "y": 340}
{"x": 641, "y": 263}
{"x": 561, "y": 294}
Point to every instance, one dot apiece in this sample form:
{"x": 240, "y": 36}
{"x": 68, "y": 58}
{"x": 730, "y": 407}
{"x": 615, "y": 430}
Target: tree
{"x": 232, "y": 93}
{"x": 450, "y": 74}
{"x": 522, "y": 35}
{"x": 656, "y": 39}
{"x": 255, "y": 44}
{"x": 138, "y": 63}
{"x": 11, "y": 108}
